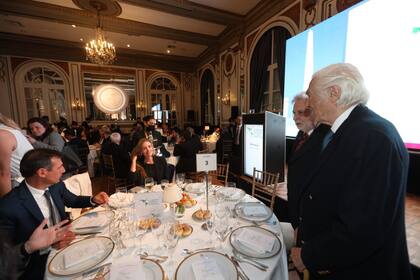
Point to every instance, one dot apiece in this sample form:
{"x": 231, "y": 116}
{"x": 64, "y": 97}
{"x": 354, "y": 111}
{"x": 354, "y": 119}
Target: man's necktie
{"x": 327, "y": 139}
{"x": 301, "y": 141}
{"x": 53, "y": 217}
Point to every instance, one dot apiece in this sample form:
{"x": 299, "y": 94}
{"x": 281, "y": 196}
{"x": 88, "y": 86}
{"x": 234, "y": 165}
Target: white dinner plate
{"x": 152, "y": 270}
{"x": 224, "y": 264}
{"x": 121, "y": 200}
{"x": 83, "y": 251}
{"x": 231, "y": 194}
{"x": 250, "y": 252}
{"x": 261, "y": 212}
{"x": 93, "y": 221}
{"x": 197, "y": 188}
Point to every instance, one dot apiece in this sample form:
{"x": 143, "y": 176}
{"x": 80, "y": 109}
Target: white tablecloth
{"x": 199, "y": 239}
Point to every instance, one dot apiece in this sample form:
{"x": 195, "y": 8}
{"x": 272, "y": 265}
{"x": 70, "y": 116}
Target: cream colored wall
{"x": 15, "y": 110}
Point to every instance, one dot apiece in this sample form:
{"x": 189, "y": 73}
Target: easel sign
{"x": 206, "y": 162}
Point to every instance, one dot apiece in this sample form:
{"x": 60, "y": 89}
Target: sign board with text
{"x": 206, "y": 162}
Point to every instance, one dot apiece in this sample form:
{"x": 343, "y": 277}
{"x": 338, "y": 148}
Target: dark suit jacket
{"x": 159, "y": 171}
{"x": 20, "y": 215}
{"x": 120, "y": 158}
{"x": 187, "y": 159}
{"x": 300, "y": 164}
{"x": 352, "y": 207}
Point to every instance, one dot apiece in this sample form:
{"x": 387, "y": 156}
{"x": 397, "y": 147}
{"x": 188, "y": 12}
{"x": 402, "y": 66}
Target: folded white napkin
{"x": 256, "y": 241}
{"x": 254, "y": 211}
{"x": 127, "y": 268}
{"x": 91, "y": 220}
{"x": 120, "y": 199}
{"x": 206, "y": 269}
{"x": 82, "y": 254}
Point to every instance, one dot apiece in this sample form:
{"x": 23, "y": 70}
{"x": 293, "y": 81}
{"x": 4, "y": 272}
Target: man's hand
{"x": 101, "y": 198}
{"x": 297, "y": 259}
{"x": 42, "y": 238}
{"x": 65, "y": 237}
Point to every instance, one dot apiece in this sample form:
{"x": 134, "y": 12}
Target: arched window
{"x": 267, "y": 71}
{"x": 163, "y": 100}
{"x": 207, "y": 97}
{"x": 44, "y": 94}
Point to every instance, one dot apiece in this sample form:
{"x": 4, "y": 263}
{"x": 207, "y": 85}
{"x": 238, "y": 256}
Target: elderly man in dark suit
{"x": 305, "y": 151}
{"x": 352, "y": 207}
{"x": 40, "y": 196}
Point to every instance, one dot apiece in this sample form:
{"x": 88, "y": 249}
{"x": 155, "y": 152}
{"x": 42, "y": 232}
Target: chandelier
{"x": 100, "y": 51}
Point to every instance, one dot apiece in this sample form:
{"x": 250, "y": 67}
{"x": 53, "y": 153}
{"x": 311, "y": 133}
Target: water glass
{"x": 121, "y": 193}
{"x": 149, "y": 183}
{"x": 210, "y": 229}
{"x": 220, "y": 210}
{"x": 164, "y": 183}
{"x": 221, "y": 229}
{"x": 179, "y": 179}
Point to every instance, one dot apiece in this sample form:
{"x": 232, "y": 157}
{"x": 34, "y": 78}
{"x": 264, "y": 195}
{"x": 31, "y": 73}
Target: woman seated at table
{"x": 43, "y": 136}
{"x": 144, "y": 164}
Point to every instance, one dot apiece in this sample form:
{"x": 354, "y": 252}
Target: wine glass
{"x": 170, "y": 242}
{"x": 149, "y": 183}
{"x": 121, "y": 193}
{"x": 210, "y": 228}
{"x": 164, "y": 183}
{"x": 221, "y": 229}
{"x": 179, "y": 179}
{"x": 220, "y": 210}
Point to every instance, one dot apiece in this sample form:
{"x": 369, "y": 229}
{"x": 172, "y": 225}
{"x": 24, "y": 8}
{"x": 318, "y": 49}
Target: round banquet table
{"x": 198, "y": 239}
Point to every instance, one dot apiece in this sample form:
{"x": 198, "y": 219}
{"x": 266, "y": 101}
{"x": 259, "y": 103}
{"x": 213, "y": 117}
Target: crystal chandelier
{"x": 100, "y": 51}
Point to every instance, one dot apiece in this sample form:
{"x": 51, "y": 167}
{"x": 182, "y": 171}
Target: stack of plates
{"x": 197, "y": 188}
{"x": 224, "y": 265}
{"x": 253, "y": 211}
{"x": 81, "y": 251}
{"x": 253, "y": 251}
{"x": 231, "y": 194}
{"x": 92, "y": 222}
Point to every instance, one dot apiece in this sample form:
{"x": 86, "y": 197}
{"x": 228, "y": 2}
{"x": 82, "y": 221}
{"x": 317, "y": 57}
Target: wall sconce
{"x": 226, "y": 98}
{"x": 141, "y": 105}
{"x": 77, "y": 104}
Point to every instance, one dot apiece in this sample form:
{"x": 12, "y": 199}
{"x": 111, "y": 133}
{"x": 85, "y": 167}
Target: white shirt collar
{"x": 339, "y": 121}
{"x": 34, "y": 191}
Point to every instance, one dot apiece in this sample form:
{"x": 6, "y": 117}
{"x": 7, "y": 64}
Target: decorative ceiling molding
{"x": 54, "y": 13}
{"x": 190, "y": 10}
{"x": 17, "y": 45}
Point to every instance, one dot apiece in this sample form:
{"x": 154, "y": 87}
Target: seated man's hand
{"x": 64, "y": 239}
{"x": 42, "y": 237}
{"x": 101, "y": 198}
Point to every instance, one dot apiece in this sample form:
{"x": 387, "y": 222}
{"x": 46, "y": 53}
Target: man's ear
{"x": 42, "y": 172}
{"x": 335, "y": 93}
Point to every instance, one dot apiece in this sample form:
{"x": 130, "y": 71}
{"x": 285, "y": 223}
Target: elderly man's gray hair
{"x": 115, "y": 138}
{"x": 348, "y": 78}
{"x": 300, "y": 96}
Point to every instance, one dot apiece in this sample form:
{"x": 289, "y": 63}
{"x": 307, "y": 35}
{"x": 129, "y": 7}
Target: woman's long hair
{"x": 138, "y": 151}
{"x": 47, "y": 126}
{"x": 8, "y": 122}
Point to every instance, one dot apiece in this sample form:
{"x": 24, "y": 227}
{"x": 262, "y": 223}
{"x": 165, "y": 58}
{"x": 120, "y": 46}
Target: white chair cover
{"x": 79, "y": 184}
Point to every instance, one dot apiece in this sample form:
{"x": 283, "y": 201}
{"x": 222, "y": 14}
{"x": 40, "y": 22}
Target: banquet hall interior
{"x": 103, "y": 72}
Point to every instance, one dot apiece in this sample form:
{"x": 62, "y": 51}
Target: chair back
{"x": 83, "y": 155}
{"x": 79, "y": 184}
{"x": 112, "y": 181}
{"x": 221, "y": 173}
{"x": 227, "y": 147}
{"x": 264, "y": 186}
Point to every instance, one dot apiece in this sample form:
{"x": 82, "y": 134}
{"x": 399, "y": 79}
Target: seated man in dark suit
{"x": 40, "y": 196}
{"x": 154, "y": 136}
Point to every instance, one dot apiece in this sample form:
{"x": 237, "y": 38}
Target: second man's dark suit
{"x": 300, "y": 164}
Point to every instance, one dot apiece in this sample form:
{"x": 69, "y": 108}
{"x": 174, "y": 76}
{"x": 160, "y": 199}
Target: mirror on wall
{"x": 126, "y": 83}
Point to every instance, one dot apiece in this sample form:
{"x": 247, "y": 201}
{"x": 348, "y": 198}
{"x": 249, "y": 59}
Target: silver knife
{"x": 245, "y": 277}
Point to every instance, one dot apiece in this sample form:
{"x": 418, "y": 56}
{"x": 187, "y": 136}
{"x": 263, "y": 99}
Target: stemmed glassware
{"x": 121, "y": 193}
{"x": 179, "y": 179}
{"x": 170, "y": 242}
{"x": 149, "y": 183}
{"x": 221, "y": 229}
{"x": 210, "y": 229}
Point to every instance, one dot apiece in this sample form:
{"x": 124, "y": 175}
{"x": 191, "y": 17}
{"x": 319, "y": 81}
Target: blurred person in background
{"x": 13, "y": 145}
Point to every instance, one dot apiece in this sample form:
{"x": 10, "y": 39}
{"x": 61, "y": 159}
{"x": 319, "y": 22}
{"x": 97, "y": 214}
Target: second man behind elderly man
{"x": 304, "y": 153}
